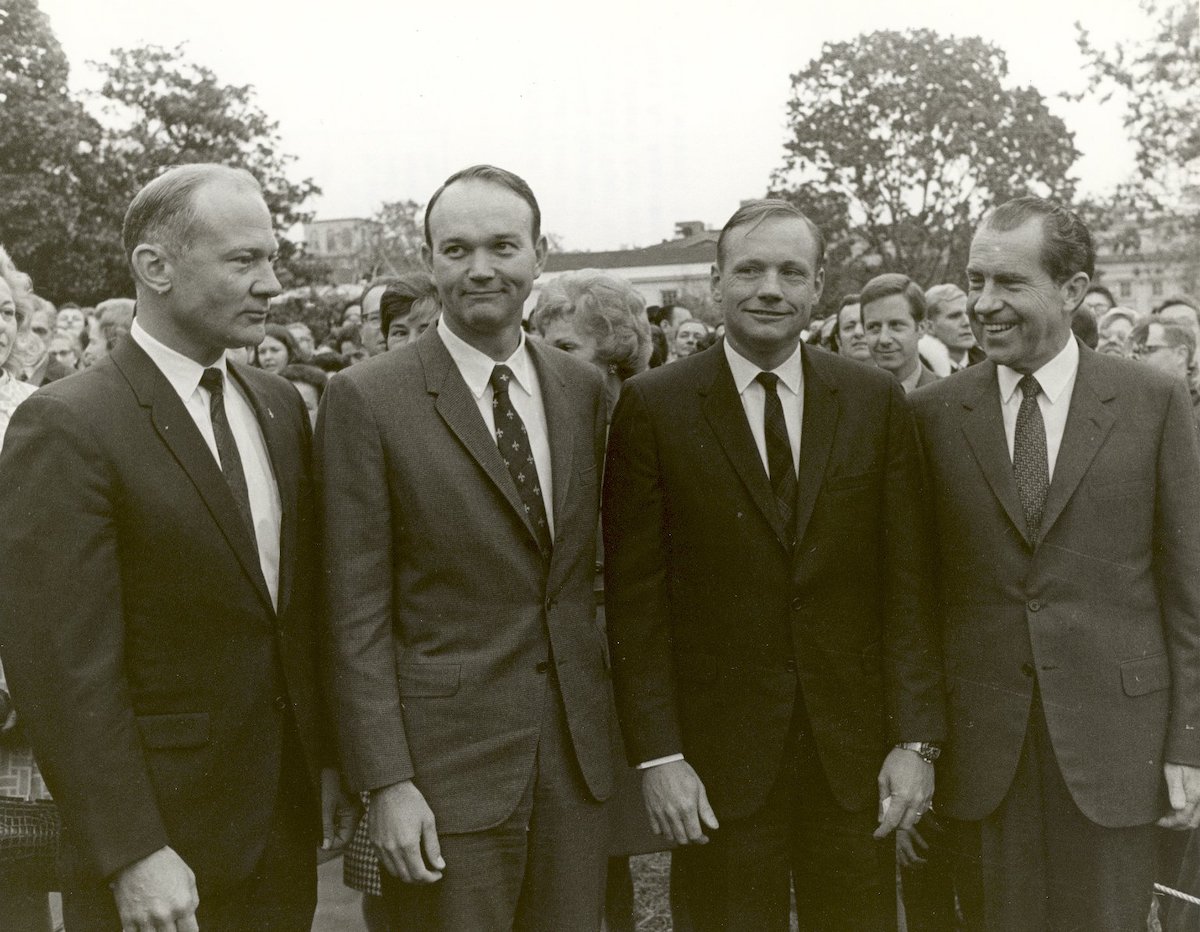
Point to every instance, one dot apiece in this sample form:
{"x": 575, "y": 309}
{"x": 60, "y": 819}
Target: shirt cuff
{"x": 669, "y": 759}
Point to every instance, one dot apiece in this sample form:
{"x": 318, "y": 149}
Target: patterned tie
{"x": 1030, "y": 462}
{"x": 779, "y": 450}
{"x": 513, "y": 442}
{"x": 231, "y": 462}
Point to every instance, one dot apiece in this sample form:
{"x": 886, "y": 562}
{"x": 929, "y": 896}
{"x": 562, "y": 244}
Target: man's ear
{"x": 427, "y": 258}
{"x": 1074, "y": 290}
{"x": 714, "y": 283}
{"x": 152, "y": 267}
{"x": 541, "y": 249}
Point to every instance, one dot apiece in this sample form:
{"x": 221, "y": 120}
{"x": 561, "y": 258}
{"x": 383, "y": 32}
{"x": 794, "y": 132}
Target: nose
{"x": 768, "y": 286}
{"x": 268, "y": 286}
{"x": 481, "y": 267}
{"x": 987, "y": 301}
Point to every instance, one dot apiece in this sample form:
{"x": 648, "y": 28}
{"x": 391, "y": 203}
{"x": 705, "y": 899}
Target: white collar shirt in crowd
{"x": 265, "y": 506}
{"x": 754, "y": 398}
{"x": 1057, "y": 379}
{"x": 525, "y": 392}
{"x": 909, "y": 384}
{"x": 12, "y": 393}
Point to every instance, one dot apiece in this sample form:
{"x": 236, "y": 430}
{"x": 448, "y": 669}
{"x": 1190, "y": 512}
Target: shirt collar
{"x": 790, "y": 371}
{"x": 476, "y": 367}
{"x": 910, "y": 383}
{"x": 183, "y": 373}
{"x": 1053, "y": 377}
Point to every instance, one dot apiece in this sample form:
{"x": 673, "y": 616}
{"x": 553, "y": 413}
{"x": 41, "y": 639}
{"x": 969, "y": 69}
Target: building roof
{"x": 699, "y": 248}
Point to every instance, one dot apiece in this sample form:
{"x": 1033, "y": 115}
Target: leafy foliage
{"x": 900, "y": 141}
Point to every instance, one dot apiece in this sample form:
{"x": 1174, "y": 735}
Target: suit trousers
{"x": 1048, "y": 868}
{"x": 540, "y": 870}
{"x": 280, "y": 895}
{"x": 845, "y": 880}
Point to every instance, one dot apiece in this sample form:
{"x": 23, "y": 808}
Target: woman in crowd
{"x": 309, "y": 381}
{"x": 848, "y": 338}
{"x": 407, "y": 307}
{"x": 277, "y": 349}
{"x": 602, "y": 320}
{"x": 24, "y": 903}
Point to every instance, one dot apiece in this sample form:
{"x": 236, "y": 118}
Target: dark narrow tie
{"x": 1030, "y": 462}
{"x": 513, "y": 441}
{"x": 779, "y": 450}
{"x": 231, "y": 463}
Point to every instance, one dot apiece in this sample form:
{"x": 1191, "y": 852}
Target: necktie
{"x": 231, "y": 463}
{"x": 779, "y": 450}
{"x": 1030, "y": 462}
{"x": 513, "y": 441}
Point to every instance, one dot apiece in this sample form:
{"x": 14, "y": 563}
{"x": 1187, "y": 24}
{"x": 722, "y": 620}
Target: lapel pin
{"x": 270, "y": 413}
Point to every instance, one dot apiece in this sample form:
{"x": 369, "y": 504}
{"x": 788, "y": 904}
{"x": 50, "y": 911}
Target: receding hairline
{"x": 488, "y": 182}
{"x": 751, "y": 224}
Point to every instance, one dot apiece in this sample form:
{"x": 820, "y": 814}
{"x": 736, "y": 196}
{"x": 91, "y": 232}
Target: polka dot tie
{"x": 513, "y": 442}
{"x": 1030, "y": 462}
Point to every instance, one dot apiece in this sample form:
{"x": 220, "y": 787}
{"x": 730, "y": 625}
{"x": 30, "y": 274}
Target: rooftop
{"x": 697, "y": 248}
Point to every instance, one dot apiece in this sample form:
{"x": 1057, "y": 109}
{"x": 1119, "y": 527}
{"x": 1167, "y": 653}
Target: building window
{"x": 1156, "y": 288}
{"x": 1126, "y": 289}
{"x": 668, "y": 297}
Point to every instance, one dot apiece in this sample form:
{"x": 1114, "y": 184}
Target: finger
{"x": 1175, "y": 790}
{"x": 916, "y": 836}
{"x": 415, "y": 862}
{"x": 691, "y": 823}
{"x": 327, "y": 828}
{"x": 188, "y": 924}
{"x": 433, "y": 847}
{"x": 892, "y": 819}
{"x": 655, "y": 826}
{"x": 678, "y": 828}
{"x": 707, "y": 816}
{"x": 392, "y": 864}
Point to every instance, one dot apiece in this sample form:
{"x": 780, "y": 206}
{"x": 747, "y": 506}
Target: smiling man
{"x": 461, "y": 493}
{"x": 1064, "y": 486}
{"x": 893, "y": 313}
{"x": 777, "y": 673}
{"x": 162, "y": 646}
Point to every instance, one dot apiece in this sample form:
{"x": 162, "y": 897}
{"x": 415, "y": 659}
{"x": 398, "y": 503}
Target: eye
{"x": 453, "y": 252}
{"x": 506, "y": 247}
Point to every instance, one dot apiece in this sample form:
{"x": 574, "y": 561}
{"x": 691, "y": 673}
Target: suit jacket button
{"x": 543, "y": 666}
{"x": 1033, "y": 605}
{"x": 797, "y": 604}
{"x": 281, "y": 703}
{"x": 791, "y": 666}
{"x": 1027, "y": 669}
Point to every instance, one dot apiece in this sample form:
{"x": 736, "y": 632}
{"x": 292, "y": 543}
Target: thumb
{"x": 1175, "y": 788}
{"x": 707, "y": 816}
{"x": 433, "y": 848}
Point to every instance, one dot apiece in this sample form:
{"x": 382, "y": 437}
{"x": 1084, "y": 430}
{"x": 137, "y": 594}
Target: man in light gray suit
{"x": 460, "y": 497}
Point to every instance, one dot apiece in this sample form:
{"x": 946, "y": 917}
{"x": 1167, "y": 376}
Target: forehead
{"x": 692, "y": 325}
{"x": 1018, "y": 250}
{"x": 1179, "y": 312}
{"x": 477, "y": 209}
{"x": 1155, "y": 334}
{"x": 6, "y": 294}
{"x": 849, "y": 314}
{"x": 890, "y": 307}
{"x": 777, "y": 239}
{"x": 231, "y": 216}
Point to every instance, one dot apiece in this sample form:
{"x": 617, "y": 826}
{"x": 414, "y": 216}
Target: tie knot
{"x": 212, "y": 380}
{"x": 767, "y": 380}
{"x": 1029, "y": 386}
{"x": 501, "y": 377}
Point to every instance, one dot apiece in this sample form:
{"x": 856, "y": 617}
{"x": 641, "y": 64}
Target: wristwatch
{"x": 928, "y": 752}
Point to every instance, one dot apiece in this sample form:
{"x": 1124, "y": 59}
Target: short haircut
{"x": 939, "y": 297}
{"x": 605, "y": 307}
{"x": 893, "y": 283}
{"x": 1067, "y": 247}
{"x": 1174, "y": 334}
{"x": 1097, "y": 288}
{"x": 853, "y": 298}
{"x": 755, "y": 212}
{"x": 494, "y": 175}
{"x": 164, "y": 211}
{"x": 309, "y": 375}
{"x": 1174, "y": 300}
{"x": 399, "y": 297}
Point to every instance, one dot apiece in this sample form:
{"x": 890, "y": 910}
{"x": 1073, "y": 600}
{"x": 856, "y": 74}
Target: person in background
{"x": 352, "y": 316}
{"x": 277, "y": 350}
{"x": 689, "y": 336}
{"x": 1098, "y": 300}
{"x": 24, "y": 896}
{"x": 93, "y": 351}
{"x": 848, "y": 339}
{"x": 303, "y": 335}
{"x": 71, "y": 320}
{"x": 949, "y": 343}
{"x": 115, "y": 317}
{"x": 893, "y": 314}
{"x": 1083, "y": 325}
{"x": 1170, "y": 348}
{"x": 407, "y": 307}
{"x": 65, "y": 351}
{"x": 1114, "y": 327}
{"x": 310, "y": 382}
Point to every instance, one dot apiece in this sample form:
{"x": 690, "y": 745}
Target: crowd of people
{"x": 491, "y": 601}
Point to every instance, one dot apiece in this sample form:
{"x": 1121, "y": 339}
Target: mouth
{"x": 997, "y": 329}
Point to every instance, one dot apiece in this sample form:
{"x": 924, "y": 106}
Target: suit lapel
{"x": 725, "y": 414}
{"x": 983, "y": 425}
{"x": 816, "y": 438}
{"x": 280, "y": 449}
{"x": 1088, "y": 423}
{"x": 457, "y": 407}
{"x": 178, "y": 432}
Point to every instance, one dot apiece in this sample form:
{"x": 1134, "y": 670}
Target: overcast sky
{"x": 624, "y": 116}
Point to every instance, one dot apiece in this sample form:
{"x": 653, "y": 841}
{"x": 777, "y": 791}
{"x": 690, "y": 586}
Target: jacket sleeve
{"x": 357, "y": 518}
{"x": 62, "y": 633}
{"x": 635, "y": 585}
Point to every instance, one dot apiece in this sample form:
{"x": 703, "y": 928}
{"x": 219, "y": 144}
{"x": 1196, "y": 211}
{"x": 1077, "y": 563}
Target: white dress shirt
{"x": 266, "y": 508}
{"x": 754, "y": 401}
{"x": 525, "y": 393}
{"x": 1057, "y": 379}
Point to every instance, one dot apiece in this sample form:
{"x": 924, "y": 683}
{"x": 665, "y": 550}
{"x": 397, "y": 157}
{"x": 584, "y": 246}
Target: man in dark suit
{"x": 161, "y": 646}
{"x": 1065, "y": 489}
{"x": 764, "y": 578}
{"x": 460, "y": 493}
{"x": 893, "y": 317}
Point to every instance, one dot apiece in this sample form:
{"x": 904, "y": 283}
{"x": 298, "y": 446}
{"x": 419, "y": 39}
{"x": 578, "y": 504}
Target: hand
{"x": 338, "y": 814}
{"x": 677, "y": 803}
{"x": 1183, "y": 789}
{"x": 157, "y": 894}
{"x": 909, "y": 847}
{"x": 399, "y": 824}
{"x": 905, "y": 790}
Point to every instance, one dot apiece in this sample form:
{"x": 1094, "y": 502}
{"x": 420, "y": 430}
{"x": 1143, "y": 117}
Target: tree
{"x": 1157, "y": 78}
{"x": 904, "y": 139}
{"x": 165, "y": 110}
{"x": 393, "y": 243}
{"x": 55, "y": 217}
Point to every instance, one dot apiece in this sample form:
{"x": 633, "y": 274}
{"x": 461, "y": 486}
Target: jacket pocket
{"x": 178, "y": 730}
{"x": 1145, "y": 675}
{"x": 428, "y": 680}
{"x": 848, "y": 483}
